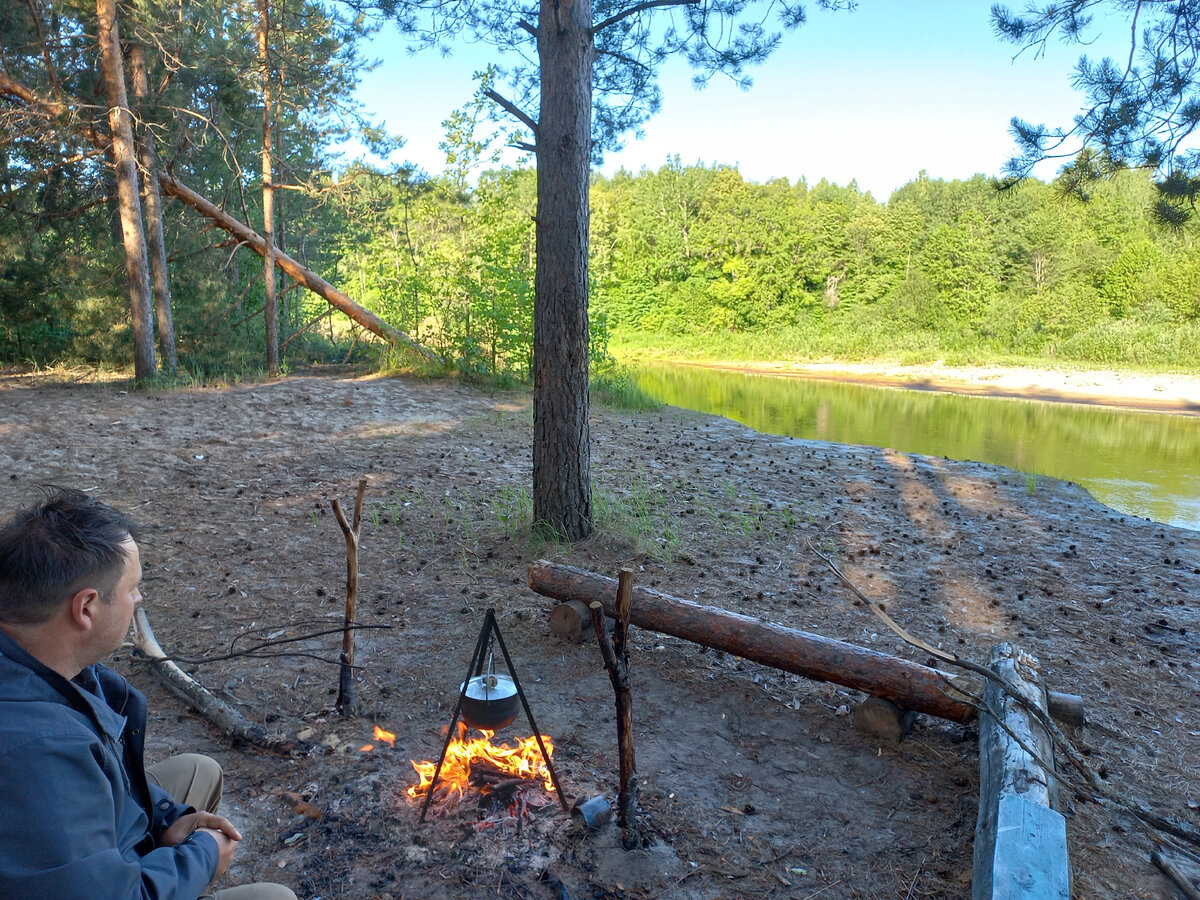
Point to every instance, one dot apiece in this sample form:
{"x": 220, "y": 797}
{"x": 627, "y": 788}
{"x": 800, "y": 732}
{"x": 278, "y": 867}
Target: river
{"x": 1139, "y": 463}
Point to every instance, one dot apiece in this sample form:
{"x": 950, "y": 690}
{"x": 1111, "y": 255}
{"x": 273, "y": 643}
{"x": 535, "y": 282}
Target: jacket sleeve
{"x": 68, "y": 830}
{"x": 166, "y": 810}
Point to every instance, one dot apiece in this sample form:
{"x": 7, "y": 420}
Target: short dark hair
{"x": 51, "y": 550}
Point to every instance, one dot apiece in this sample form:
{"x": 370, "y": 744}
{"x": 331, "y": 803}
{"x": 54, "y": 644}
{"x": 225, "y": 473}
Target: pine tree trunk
{"x": 120, "y": 123}
{"x": 562, "y": 493}
{"x": 148, "y": 157}
{"x": 270, "y": 311}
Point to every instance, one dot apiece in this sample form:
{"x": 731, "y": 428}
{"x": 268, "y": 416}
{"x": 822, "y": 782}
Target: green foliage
{"x": 1139, "y": 110}
{"x": 945, "y": 270}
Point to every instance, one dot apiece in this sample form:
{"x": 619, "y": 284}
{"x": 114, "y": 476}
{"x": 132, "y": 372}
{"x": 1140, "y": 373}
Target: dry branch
{"x": 216, "y": 711}
{"x": 1097, "y": 790}
{"x": 1172, "y": 871}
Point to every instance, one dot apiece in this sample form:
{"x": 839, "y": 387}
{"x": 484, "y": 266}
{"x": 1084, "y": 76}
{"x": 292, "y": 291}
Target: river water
{"x": 1139, "y": 463}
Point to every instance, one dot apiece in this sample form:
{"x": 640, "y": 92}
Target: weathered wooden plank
{"x": 1020, "y": 841}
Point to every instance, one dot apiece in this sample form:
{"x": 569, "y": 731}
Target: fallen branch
{"x": 1172, "y": 871}
{"x": 1101, "y": 792}
{"x": 52, "y": 113}
{"x": 254, "y": 652}
{"x": 216, "y": 711}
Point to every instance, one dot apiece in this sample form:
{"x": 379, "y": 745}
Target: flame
{"x": 387, "y": 737}
{"x": 523, "y": 761}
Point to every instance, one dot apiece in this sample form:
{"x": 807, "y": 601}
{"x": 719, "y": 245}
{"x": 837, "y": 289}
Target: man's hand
{"x": 219, "y": 827}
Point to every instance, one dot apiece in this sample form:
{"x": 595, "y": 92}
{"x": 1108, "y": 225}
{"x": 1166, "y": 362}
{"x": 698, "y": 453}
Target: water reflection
{"x": 1144, "y": 464}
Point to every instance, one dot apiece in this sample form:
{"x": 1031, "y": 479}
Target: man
{"x": 81, "y": 817}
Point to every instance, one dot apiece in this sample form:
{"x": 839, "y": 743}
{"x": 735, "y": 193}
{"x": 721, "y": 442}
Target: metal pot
{"x": 490, "y": 701}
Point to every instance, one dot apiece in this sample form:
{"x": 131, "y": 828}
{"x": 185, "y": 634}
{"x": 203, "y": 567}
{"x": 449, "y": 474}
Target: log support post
{"x": 345, "y": 698}
{"x": 616, "y": 660}
{"x": 1020, "y": 841}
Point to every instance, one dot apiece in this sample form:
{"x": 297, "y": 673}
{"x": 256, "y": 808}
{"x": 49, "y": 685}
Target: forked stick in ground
{"x": 345, "y": 698}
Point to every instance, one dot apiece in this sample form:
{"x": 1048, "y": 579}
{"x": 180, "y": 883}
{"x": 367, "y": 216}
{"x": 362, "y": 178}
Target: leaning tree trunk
{"x": 120, "y": 124}
{"x": 148, "y": 157}
{"x": 562, "y": 491}
{"x": 50, "y": 112}
{"x": 270, "y": 309}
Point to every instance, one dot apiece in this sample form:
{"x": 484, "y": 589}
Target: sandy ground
{"x": 1165, "y": 392}
{"x": 755, "y": 783}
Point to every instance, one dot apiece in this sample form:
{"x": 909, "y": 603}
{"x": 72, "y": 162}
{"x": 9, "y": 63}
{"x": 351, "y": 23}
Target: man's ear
{"x": 83, "y": 606}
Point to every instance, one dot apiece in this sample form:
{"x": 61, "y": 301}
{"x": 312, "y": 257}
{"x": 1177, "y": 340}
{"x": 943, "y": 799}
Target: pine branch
{"x": 513, "y": 110}
{"x": 637, "y": 8}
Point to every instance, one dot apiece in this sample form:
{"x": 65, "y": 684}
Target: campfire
{"x": 500, "y": 775}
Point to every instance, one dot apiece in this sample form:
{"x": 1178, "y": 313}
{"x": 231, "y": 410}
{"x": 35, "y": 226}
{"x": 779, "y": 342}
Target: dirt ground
{"x": 754, "y": 783}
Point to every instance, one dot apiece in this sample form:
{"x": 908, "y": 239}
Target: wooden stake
{"x": 616, "y": 660}
{"x": 345, "y": 699}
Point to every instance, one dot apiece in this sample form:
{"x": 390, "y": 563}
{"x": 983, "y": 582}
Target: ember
{"x": 386, "y": 737}
{"x": 487, "y": 762}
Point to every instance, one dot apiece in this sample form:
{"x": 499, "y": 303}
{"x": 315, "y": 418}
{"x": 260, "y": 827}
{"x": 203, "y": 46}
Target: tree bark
{"x": 562, "y": 491}
{"x": 152, "y": 195}
{"x": 270, "y": 309}
{"x": 120, "y": 124}
{"x": 907, "y": 684}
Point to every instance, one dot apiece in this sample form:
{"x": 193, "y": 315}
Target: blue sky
{"x": 875, "y": 95}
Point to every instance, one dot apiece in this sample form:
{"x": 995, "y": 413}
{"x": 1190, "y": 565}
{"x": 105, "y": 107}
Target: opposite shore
{"x": 1159, "y": 392}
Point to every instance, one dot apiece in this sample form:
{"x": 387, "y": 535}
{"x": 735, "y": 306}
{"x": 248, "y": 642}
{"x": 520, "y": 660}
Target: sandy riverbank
{"x": 1162, "y": 392}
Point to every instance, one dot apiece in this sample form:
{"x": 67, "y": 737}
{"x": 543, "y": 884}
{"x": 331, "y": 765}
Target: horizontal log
{"x": 907, "y": 684}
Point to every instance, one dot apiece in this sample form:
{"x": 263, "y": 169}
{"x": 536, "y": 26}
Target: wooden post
{"x": 345, "y": 699}
{"x": 1020, "y": 842}
{"x": 616, "y": 660}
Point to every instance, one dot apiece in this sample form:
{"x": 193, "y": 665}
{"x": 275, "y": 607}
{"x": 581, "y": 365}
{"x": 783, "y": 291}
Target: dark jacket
{"x": 78, "y": 819}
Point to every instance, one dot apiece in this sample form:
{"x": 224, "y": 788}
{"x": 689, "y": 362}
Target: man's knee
{"x": 191, "y": 778}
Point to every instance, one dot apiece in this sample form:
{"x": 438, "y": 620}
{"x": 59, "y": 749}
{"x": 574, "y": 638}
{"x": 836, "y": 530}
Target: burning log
{"x": 907, "y": 684}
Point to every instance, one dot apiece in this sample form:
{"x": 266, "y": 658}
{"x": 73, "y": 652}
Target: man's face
{"x": 116, "y": 608}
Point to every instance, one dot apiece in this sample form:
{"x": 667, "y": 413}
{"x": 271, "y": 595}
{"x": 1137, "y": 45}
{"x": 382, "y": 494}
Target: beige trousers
{"x": 196, "y": 780}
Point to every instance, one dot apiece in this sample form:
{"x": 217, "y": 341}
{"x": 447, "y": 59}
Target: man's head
{"x": 68, "y": 543}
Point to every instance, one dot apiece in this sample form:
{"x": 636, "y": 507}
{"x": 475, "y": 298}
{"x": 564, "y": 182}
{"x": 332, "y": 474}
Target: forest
{"x": 689, "y": 259}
